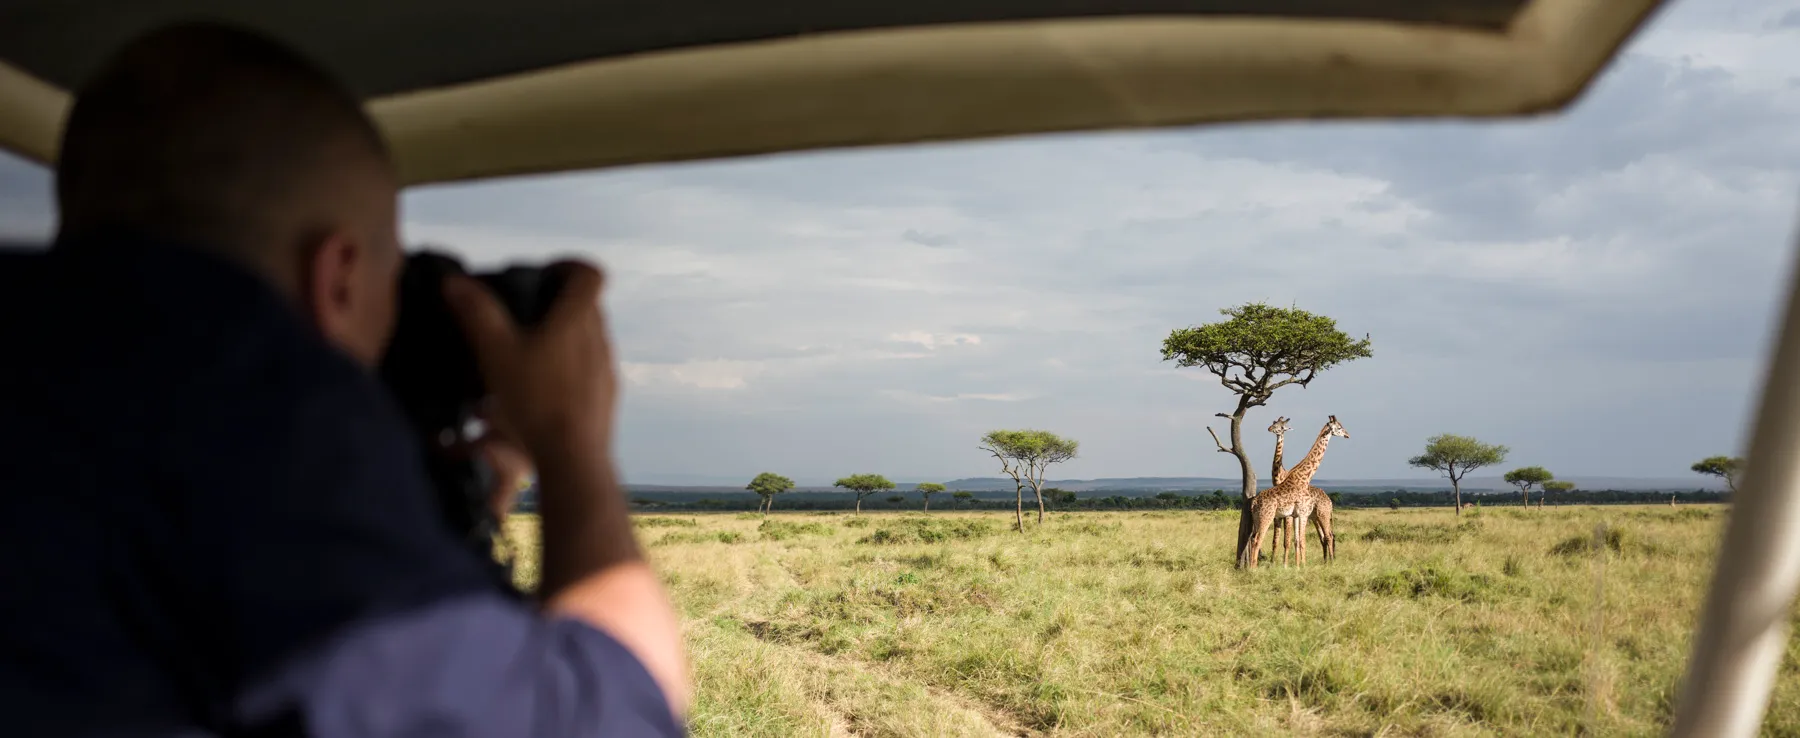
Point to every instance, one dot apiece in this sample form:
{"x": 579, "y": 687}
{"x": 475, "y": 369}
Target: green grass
{"x": 1106, "y": 624}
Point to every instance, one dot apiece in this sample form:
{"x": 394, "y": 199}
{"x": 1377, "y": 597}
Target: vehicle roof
{"x": 470, "y": 89}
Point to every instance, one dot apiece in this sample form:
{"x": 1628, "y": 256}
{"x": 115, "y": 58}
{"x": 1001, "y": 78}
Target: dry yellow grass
{"x": 1509, "y": 622}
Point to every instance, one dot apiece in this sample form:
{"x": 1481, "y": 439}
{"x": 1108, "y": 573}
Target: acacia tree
{"x": 1025, "y": 455}
{"x": 767, "y": 485}
{"x": 1455, "y": 456}
{"x": 863, "y": 485}
{"x": 962, "y": 497}
{"x": 1525, "y": 477}
{"x": 928, "y": 489}
{"x": 1558, "y": 486}
{"x": 1724, "y": 467}
{"x": 1256, "y": 350}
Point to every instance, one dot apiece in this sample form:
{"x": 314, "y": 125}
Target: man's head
{"x": 228, "y": 141}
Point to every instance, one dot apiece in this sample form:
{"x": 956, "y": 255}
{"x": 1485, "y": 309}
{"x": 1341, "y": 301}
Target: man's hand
{"x": 555, "y": 386}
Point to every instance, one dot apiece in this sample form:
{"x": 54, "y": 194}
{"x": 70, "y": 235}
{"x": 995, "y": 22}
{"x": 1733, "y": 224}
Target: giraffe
{"x": 1321, "y": 515}
{"x": 1290, "y": 498}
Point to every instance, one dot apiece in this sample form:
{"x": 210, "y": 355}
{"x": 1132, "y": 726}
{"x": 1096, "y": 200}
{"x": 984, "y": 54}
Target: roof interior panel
{"x": 400, "y": 45}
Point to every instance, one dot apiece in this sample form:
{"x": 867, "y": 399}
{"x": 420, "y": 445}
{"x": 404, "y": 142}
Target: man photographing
{"x": 219, "y": 522}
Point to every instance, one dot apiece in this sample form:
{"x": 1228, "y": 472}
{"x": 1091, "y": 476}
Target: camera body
{"x": 430, "y": 369}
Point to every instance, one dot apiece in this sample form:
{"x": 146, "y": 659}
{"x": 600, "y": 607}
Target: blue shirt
{"x": 217, "y": 524}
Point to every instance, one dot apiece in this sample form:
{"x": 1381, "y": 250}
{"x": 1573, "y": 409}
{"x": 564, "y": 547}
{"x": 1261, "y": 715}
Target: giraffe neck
{"x": 1280, "y": 444}
{"x": 1301, "y": 475}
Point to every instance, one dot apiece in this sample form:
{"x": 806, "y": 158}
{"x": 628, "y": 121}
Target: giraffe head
{"x": 1334, "y": 428}
{"x": 1280, "y": 426}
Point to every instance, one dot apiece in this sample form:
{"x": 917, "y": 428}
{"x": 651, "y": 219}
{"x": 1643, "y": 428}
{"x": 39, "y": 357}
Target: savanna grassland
{"x": 1505, "y": 622}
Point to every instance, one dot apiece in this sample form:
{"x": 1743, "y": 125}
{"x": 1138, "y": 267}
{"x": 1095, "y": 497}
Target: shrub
{"x": 1613, "y": 538}
{"x": 1431, "y": 580}
{"x": 721, "y": 536}
{"x": 777, "y": 530}
{"x": 928, "y": 531}
{"x": 1420, "y": 533}
{"x": 665, "y": 522}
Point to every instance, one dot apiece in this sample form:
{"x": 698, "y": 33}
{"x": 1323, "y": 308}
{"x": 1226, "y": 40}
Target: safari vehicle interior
{"x": 470, "y": 90}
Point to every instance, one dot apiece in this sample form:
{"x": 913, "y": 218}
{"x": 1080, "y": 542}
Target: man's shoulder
{"x": 180, "y": 356}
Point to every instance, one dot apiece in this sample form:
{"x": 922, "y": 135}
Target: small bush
{"x": 1089, "y": 528}
{"x": 928, "y": 531}
{"x": 856, "y": 523}
{"x": 665, "y": 522}
{"x": 1420, "y": 533}
{"x": 1431, "y": 580}
{"x": 722, "y": 536}
{"x": 777, "y": 530}
{"x": 1615, "y": 539}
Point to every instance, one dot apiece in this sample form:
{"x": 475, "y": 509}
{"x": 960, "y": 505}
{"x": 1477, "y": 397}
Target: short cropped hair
{"x": 208, "y": 134}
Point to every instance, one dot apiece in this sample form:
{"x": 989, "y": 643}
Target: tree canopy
{"x": 1723, "y": 467}
{"x": 1525, "y": 477}
{"x": 927, "y": 489}
{"x": 769, "y": 484}
{"x": 864, "y": 485}
{"x": 1455, "y": 456}
{"x": 1025, "y": 455}
{"x": 1260, "y": 348}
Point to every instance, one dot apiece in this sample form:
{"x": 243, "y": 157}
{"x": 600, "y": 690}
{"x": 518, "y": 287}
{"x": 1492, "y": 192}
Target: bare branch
{"x": 1216, "y": 441}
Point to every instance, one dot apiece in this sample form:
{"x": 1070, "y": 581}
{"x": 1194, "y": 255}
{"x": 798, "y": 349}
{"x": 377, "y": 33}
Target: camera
{"x": 430, "y": 369}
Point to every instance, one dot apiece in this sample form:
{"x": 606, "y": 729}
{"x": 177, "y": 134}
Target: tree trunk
{"x": 927, "y": 503}
{"x": 1039, "y": 494}
{"x": 1249, "y": 476}
{"x": 1526, "y": 491}
{"x": 1456, "y": 486}
{"x": 859, "y": 504}
{"x": 1019, "y": 505}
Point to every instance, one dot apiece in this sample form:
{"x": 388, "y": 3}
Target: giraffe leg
{"x": 1330, "y": 543}
{"x": 1288, "y": 554}
{"x": 1322, "y": 524}
{"x": 1293, "y": 544}
{"x": 1259, "y": 529}
{"x": 1278, "y": 551}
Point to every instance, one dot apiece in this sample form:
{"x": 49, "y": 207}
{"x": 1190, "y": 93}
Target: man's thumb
{"x": 485, "y": 322}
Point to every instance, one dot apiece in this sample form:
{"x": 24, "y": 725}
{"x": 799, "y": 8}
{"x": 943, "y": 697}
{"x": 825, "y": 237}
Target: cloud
{"x": 927, "y": 239}
{"x": 933, "y": 341}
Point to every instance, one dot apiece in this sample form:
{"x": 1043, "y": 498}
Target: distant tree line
{"x": 1143, "y": 500}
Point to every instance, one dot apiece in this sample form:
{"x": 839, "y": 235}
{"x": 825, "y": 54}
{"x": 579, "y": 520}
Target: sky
{"x": 1595, "y": 289}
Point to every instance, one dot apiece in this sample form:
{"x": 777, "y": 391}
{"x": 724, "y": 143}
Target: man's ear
{"x": 329, "y": 288}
